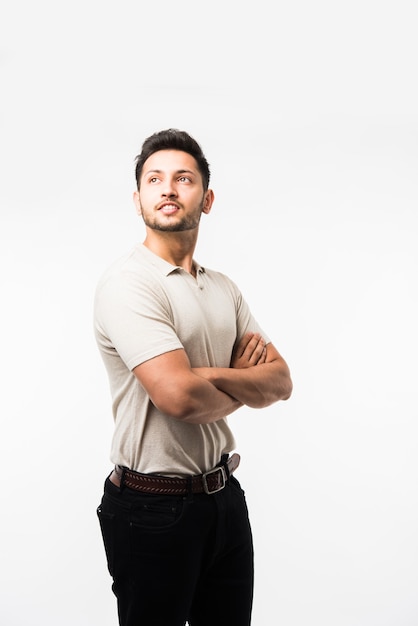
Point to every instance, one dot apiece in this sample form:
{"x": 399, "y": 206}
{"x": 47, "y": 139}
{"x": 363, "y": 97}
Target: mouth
{"x": 168, "y": 208}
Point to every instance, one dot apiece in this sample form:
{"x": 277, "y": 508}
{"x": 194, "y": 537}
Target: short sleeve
{"x": 133, "y": 319}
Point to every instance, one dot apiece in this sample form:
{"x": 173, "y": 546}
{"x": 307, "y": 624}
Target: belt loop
{"x": 189, "y": 488}
{"x": 224, "y": 463}
{"x": 122, "y": 479}
{"x": 120, "y": 472}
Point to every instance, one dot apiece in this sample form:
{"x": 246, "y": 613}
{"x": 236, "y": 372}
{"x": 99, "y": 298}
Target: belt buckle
{"x": 220, "y": 469}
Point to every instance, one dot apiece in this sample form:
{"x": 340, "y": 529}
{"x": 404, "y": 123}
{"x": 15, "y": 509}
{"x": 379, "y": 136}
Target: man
{"x": 182, "y": 352}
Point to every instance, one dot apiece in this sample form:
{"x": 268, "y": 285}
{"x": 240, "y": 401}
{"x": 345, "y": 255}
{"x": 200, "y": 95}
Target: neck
{"x": 175, "y": 247}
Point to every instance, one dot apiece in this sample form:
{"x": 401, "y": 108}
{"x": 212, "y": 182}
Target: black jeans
{"x": 176, "y": 559}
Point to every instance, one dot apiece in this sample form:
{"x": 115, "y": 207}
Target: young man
{"x": 182, "y": 352}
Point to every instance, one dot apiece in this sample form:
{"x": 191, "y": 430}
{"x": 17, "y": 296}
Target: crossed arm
{"x": 257, "y": 377}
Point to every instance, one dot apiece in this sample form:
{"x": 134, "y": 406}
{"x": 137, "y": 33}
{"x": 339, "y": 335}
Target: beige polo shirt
{"x": 144, "y": 307}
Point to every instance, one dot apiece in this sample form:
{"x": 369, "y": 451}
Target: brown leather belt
{"x": 209, "y": 482}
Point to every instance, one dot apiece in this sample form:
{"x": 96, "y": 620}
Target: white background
{"x": 307, "y": 112}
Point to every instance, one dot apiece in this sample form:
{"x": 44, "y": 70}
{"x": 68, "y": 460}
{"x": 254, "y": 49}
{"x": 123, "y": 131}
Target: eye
{"x": 153, "y": 180}
{"x": 185, "y": 179}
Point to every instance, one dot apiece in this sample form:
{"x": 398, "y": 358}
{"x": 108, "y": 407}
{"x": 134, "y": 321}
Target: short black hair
{"x": 173, "y": 139}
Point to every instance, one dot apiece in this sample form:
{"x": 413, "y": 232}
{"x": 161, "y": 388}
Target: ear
{"x": 137, "y": 202}
{"x": 208, "y": 201}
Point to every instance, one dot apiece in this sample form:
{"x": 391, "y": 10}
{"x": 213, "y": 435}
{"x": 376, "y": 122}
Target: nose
{"x": 168, "y": 189}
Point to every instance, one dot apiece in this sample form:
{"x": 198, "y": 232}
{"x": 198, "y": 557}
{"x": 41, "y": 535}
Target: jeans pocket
{"x": 156, "y": 513}
{"x": 156, "y": 528}
{"x": 107, "y": 527}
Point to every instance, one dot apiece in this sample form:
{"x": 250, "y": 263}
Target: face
{"x": 171, "y": 197}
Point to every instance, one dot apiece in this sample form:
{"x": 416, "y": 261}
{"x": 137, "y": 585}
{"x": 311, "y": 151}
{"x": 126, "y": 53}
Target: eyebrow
{"x": 176, "y": 172}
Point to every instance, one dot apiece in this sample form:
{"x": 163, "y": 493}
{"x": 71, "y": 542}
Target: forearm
{"x": 193, "y": 399}
{"x": 256, "y": 387}
{"x": 203, "y": 402}
{"x": 178, "y": 392}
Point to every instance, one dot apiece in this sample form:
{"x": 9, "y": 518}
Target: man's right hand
{"x": 249, "y": 351}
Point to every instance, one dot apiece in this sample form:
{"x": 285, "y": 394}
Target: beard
{"x": 175, "y": 223}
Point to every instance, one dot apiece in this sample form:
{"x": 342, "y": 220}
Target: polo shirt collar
{"x": 162, "y": 265}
